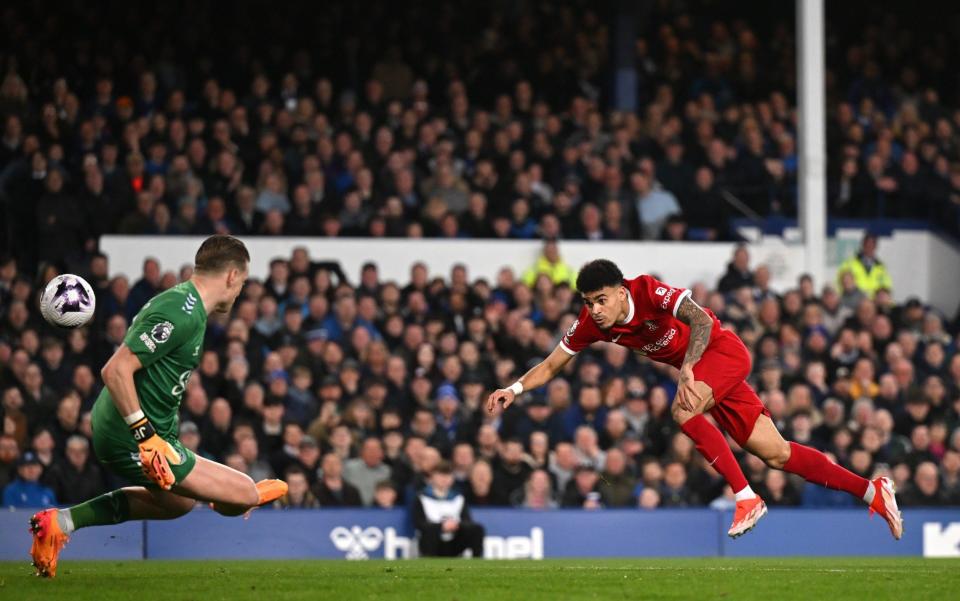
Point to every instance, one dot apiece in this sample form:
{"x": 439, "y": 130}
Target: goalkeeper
{"x": 135, "y": 418}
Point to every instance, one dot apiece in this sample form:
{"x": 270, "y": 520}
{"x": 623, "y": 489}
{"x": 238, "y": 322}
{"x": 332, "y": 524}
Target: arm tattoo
{"x": 700, "y": 324}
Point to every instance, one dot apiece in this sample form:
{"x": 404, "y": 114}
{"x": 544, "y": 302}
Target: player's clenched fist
{"x": 504, "y": 395}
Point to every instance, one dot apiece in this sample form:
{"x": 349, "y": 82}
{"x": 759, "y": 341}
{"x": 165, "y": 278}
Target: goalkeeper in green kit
{"x": 135, "y": 418}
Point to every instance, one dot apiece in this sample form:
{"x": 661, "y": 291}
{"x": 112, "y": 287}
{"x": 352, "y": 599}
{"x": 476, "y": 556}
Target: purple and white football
{"x": 68, "y": 301}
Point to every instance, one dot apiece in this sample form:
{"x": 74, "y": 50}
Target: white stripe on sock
{"x": 871, "y": 492}
{"x": 65, "y": 521}
{"x": 745, "y": 494}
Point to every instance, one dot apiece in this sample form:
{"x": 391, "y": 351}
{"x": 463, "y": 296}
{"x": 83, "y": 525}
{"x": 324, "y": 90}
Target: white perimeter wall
{"x": 921, "y": 264}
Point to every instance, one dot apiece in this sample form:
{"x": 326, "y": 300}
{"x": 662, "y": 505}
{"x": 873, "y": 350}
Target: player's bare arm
{"x": 538, "y": 375}
{"x": 117, "y": 376}
{"x": 690, "y": 313}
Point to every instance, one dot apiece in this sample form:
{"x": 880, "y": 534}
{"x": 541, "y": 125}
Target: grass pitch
{"x": 462, "y": 580}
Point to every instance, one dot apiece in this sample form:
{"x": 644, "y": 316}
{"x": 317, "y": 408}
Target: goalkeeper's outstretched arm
{"x": 538, "y": 375}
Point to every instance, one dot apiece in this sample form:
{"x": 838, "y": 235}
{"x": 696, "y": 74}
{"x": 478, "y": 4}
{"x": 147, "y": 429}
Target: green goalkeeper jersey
{"x": 167, "y": 336}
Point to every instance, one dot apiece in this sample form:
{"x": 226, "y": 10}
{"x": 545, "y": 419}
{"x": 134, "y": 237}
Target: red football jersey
{"x": 651, "y": 325}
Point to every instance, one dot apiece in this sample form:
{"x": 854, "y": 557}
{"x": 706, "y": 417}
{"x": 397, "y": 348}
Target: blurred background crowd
{"x": 288, "y": 120}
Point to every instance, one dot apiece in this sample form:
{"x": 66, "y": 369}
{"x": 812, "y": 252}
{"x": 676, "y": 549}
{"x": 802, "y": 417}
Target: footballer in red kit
{"x": 664, "y": 324}
{"x": 651, "y": 328}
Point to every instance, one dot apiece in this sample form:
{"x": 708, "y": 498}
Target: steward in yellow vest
{"x": 868, "y": 272}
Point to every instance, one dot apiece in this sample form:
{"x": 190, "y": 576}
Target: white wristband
{"x": 516, "y": 388}
{"x": 134, "y": 417}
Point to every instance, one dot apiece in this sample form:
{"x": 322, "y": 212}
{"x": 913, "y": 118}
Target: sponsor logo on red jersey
{"x": 666, "y": 298}
{"x": 659, "y": 344}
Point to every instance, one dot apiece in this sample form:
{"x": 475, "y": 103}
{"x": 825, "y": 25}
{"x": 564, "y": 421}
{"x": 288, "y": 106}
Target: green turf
{"x": 425, "y": 580}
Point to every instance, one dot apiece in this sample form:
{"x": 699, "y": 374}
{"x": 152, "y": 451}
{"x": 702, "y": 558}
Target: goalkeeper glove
{"x": 156, "y": 454}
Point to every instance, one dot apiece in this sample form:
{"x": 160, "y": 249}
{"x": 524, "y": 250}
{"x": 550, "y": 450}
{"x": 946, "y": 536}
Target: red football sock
{"x": 714, "y": 448}
{"x": 815, "y": 467}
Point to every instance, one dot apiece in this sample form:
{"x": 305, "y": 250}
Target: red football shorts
{"x": 725, "y": 366}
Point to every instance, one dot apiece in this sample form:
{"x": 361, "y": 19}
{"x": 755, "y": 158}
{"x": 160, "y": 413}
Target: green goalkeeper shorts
{"x": 118, "y": 452}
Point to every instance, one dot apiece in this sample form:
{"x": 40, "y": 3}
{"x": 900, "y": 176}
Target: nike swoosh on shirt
{"x": 615, "y": 338}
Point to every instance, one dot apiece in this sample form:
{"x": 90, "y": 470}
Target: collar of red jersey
{"x": 630, "y": 311}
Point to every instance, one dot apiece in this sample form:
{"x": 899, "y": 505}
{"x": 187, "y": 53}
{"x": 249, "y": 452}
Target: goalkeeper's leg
{"x": 52, "y": 527}
{"x": 228, "y": 491}
{"x": 130, "y": 503}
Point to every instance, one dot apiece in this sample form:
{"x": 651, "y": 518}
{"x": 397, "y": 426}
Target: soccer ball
{"x": 67, "y": 301}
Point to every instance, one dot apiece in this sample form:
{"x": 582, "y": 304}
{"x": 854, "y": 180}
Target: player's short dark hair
{"x": 597, "y": 274}
{"x": 219, "y": 253}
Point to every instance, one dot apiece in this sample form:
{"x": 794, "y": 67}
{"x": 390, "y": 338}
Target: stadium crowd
{"x": 353, "y": 391}
{"x": 497, "y": 126}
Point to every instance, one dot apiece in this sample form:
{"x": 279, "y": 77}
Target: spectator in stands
{"x": 563, "y": 462}
{"x": 331, "y": 489}
{"x": 550, "y": 263}
{"x": 190, "y": 437}
{"x": 617, "y": 480}
{"x": 299, "y": 495}
{"x": 674, "y": 491}
{"x": 44, "y": 447}
{"x": 78, "y": 478}
{"x": 9, "y": 454}
{"x": 481, "y": 490}
{"x": 442, "y": 518}
{"x": 589, "y": 411}
{"x": 777, "y": 489}
{"x": 146, "y": 288}
{"x": 949, "y": 474}
{"x": 869, "y": 273}
{"x": 703, "y": 206}
{"x": 511, "y": 471}
{"x": 15, "y": 420}
{"x": 587, "y": 446}
{"x": 584, "y": 489}
{"x": 925, "y": 489}
{"x": 249, "y": 450}
{"x": 39, "y": 400}
{"x": 738, "y": 273}
{"x": 26, "y": 491}
{"x": 367, "y": 470}
{"x": 653, "y": 206}
{"x": 308, "y": 457}
{"x": 60, "y": 222}
{"x": 384, "y": 495}
{"x": 450, "y": 424}
{"x": 538, "y": 492}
